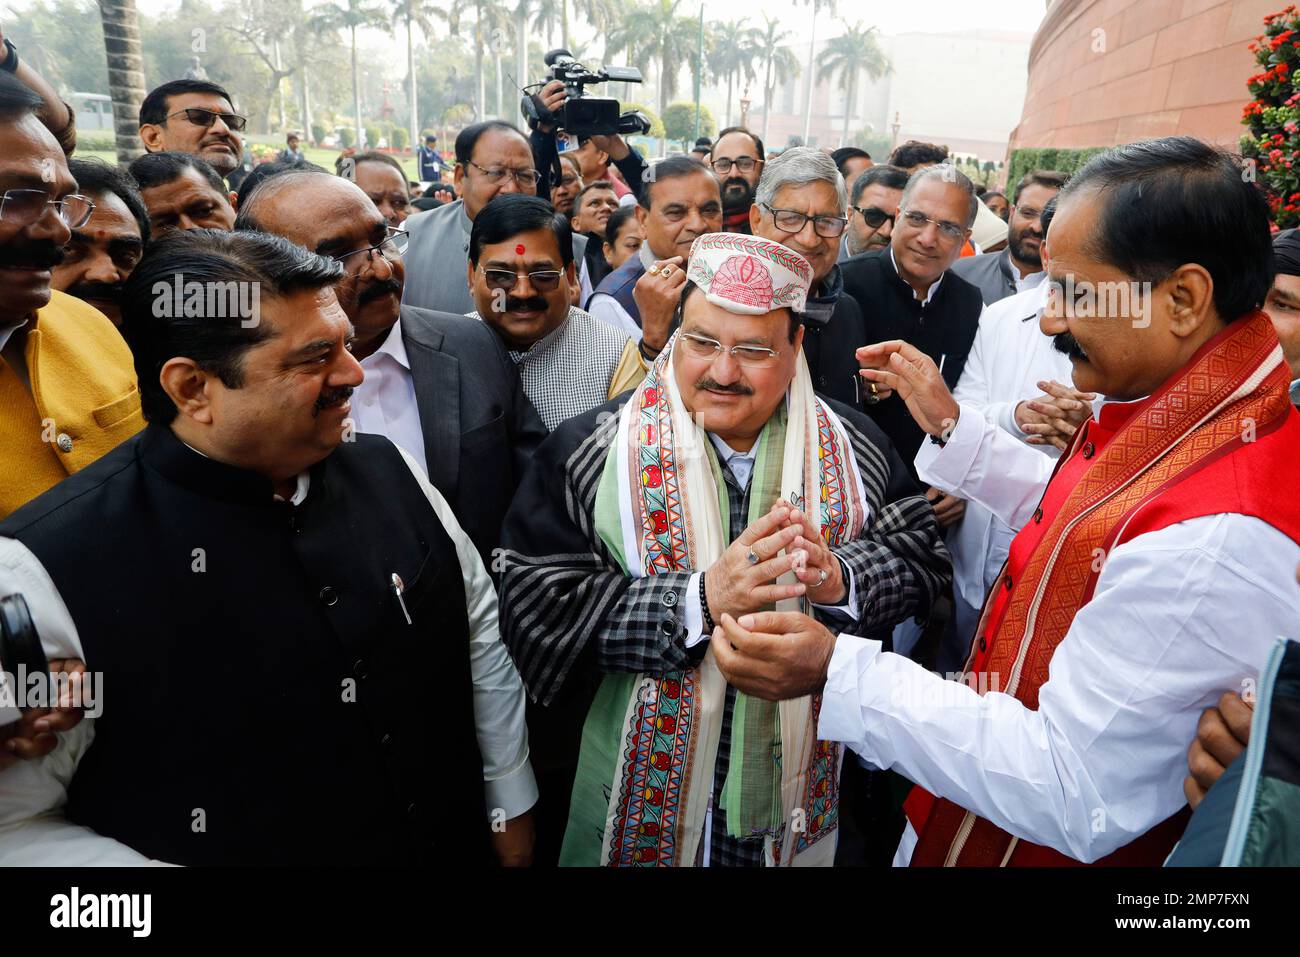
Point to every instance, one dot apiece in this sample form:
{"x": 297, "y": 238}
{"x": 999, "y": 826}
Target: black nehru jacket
{"x": 830, "y": 349}
{"x": 266, "y": 701}
{"x": 944, "y": 329}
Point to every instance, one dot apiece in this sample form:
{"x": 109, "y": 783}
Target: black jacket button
{"x": 669, "y": 625}
{"x": 329, "y": 595}
{"x": 359, "y": 668}
{"x": 1038, "y": 515}
{"x": 983, "y": 644}
{"x": 1088, "y": 449}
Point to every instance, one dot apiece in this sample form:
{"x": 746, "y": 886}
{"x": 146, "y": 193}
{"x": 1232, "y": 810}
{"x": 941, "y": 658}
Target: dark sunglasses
{"x": 205, "y": 118}
{"x": 544, "y": 280}
{"x": 873, "y": 216}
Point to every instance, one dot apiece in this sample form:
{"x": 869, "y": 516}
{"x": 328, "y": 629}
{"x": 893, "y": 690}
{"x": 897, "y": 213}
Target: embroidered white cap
{"x": 749, "y": 275}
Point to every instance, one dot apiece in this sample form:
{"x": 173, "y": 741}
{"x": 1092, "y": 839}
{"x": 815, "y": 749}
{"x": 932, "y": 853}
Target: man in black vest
{"x": 908, "y": 292}
{"x": 300, "y": 640}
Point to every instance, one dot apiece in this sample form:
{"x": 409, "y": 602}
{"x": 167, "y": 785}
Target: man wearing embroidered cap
{"x": 721, "y": 487}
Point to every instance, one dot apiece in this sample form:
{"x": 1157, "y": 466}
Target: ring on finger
{"x": 653, "y": 270}
{"x": 752, "y": 557}
{"x": 821, "y": 580}
{"x": 666, "y": 271}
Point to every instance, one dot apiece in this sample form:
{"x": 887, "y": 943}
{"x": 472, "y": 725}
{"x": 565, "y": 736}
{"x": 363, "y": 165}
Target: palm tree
{"x": 358, "y": 13}
{"x": 779, "y": 64}
{"x": 817, "y": 5}
{"x": 548, "y": 17}
{"x": 523, "y": 9}
{"x": 415, "y": 13}
{"x": 655, "y": 32}
{"x": 735, "y": 47}
{"x": 601, "y": 16}
{"x": 850, "y": 54}
{"x": 125, "y": 73}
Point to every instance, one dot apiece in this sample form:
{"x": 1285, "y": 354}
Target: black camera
{"x": 21, "y": 657}
{"x": 584, "y": 115}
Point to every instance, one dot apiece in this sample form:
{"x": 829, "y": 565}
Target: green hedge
{"x": 1061, "y": 160}
{"x": 100, "y": 141}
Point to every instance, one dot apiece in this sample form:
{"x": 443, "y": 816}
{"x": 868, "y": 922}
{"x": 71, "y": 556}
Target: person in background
{"x": 623, "y": 237}
{"x": 56, "y": 115}
{"x": 195, "y": 117}
{"x": 1283, "y": 302}
{"x": 67, "y": 387}
{"x": 996, "y": 201}
{"x": 593, "y": 207}
{"x": 737, "y": 162}
{"x": 566, "y": 190}
{"x": 851, "y": 162}
{"x": 263, "y": 172}
{"x": 382, "y": 179}
{"x": 680, "y": 203}
{"x": 181, "y": 191}
{"x": 701, "y": 150}
{"x": 1020, "y": 265}
{"x": 430, "y": 161}
{"x": 105, "y": 249}
{"x": 292, "y": 153}
{"x": 873, "y": 201}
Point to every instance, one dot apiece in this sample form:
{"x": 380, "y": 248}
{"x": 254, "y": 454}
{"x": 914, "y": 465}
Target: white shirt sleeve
{"x": 584, "y": 282}
{"x": 1179, "y": 616}
{"x": 33, "y": 830}
{"x": 498, "y": 690}
{"x": 984, "y": 463}
{"x": 607, "y": 309}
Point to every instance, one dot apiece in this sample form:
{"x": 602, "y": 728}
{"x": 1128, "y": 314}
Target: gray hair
{"x": 797, "y": 166}
{"x": 948, "y": 174}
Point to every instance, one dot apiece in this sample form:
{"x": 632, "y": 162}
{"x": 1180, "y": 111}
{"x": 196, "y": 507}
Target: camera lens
{"x": 21, "y": 656}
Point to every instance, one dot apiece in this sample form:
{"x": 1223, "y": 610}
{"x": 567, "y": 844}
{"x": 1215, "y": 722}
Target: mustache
{"x": 330, "y": 398}
{"x": 37, "y": 255}
{"x": 377, "y": 289}
{"x": 736, "y": 388}
{"x": 101, "y": 291}
{"x": 531, "y": 304}
{"x": 1066, "y": 344}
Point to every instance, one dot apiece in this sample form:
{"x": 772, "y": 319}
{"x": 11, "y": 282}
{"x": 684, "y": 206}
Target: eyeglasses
{"x": 205, "y": 118}
{"x": 745, "y": 164}
{"x": 793, "y": 221}
{"x": 949, "y": 231}
{"x": 567, "y": 181}
{"x": 390, "y": 247}
{"x": 543, "y": 280}
{"x": 524, "y": 177}
{"x": 702, "y": 347}
{"x": 873, "y": 216}
{"x": 25, "y": 206}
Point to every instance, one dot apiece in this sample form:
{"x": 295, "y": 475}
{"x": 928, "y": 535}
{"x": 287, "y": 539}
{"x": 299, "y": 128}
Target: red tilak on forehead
{"x": 519, "y": 250}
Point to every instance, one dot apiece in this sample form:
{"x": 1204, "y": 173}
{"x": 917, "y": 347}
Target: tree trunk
{"x": 521, "y": 45}
{"x": 731, "y": 75}
{"x": 125, "y": 74}
{"x": 304, "y": 95}
{"x": 280, "y": 74}
{"x": 812, "y": 79}
{"x": 848, "y": 106}
{"x": 480, "y": 105}
{"x": 564, "y": 24}
{"x": 768, "y": 91}
{"x": 410, "y": 73}
{"x": 500, "y": 95}
{"x": 356, "y": 91}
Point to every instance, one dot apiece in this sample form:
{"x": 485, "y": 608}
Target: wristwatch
{"x": 11, "y": 57}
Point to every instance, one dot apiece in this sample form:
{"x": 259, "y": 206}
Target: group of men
{"x": 622, "y": 514}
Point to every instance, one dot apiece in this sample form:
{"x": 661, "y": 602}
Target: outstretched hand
{"x": 901, "y": 367}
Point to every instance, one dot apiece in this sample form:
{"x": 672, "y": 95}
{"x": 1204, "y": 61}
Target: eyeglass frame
{"x": 498, "y": 174}
{"x": 529, "y": 275}
{"x": 225, "y": 118}
{"x": 59, "y": 203}
{"x": 772, "y": 354}
{"x": 842, "y": 220}
{"x": 390, "y": 233}
{"x": 862, "y": 211}
{"x": 941, "y": 224}
{"x": 713, "y": 164}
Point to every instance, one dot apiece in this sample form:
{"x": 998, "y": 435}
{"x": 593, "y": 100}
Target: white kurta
{"x": 1178, "y": 617}
{"x": 33, "y": 793}
{"x": 1008, "y": 359}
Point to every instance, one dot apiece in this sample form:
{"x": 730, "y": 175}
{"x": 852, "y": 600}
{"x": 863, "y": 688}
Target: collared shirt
{"x": 934, "y": 287}
{"x": 30, "y": 833}
{"x": 610, "y": 311}
{"x": 7, "y": 332}
{"x": 1032, "y": 281}
{"x": 1206, "y": 597}
{"x": 384, "y": 404}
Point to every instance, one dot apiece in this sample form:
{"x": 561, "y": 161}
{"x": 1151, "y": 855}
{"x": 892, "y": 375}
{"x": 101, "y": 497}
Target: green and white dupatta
{"x": 650, "y": 742}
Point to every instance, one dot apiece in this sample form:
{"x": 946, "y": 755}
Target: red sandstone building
{"x": 1103, "y": 72}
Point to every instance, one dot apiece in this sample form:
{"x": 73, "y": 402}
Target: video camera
{"x": 22, "y": 658}
{"x": 584, "y": 115}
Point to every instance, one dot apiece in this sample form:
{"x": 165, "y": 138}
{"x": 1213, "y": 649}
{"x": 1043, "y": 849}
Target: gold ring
{"x": 873, "y": 389}
{"x": 654, "y": 270}
{"x": 667, "y": 271}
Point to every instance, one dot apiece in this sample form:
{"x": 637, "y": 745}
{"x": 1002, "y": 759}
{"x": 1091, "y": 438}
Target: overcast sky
{"x": 897, "y": 16}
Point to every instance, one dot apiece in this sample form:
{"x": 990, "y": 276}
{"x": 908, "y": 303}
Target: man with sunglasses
{"x": 84, "y": 401}
{"x": 800, "y": 202}
{"x": 195, "y": 117}
{"x": 873, "y": 197}
{"x": 737, "y": 162}
{"x": 438, "y": 385}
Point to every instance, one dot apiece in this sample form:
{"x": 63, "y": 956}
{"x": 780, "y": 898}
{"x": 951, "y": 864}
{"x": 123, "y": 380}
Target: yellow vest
{"x": 83, "y": 400}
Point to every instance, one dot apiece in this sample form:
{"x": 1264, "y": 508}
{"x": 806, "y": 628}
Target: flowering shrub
{"x": 1273, "y": 116}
